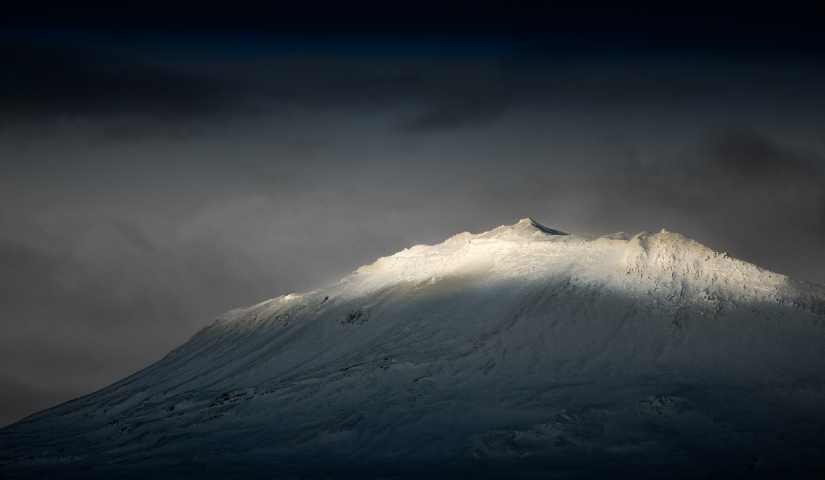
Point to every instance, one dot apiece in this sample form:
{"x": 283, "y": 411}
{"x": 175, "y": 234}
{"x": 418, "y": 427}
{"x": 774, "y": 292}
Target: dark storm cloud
{"x": 458, "y": 99}
{"x": 746, "y": 155}
{"x": 46, "y": 81}
{"x": 145, "y": 91}
{"x": 443, "y": 93}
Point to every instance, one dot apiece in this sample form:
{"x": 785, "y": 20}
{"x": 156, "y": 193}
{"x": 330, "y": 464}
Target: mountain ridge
{"x": 510, "y": 353}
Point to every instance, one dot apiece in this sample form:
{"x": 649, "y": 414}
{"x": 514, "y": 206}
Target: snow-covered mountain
{"x": 521, "y": 352}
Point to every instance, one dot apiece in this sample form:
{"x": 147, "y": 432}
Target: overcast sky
{"x": 155, "y": 175}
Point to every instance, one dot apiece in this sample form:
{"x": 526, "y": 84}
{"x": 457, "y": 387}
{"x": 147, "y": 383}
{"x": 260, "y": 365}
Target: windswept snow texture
{"x": 517, "y": 353}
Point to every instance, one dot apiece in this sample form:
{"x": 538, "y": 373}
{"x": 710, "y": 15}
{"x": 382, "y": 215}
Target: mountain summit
{"x": 522, "y": 352}
{"x": 526, "y": 223}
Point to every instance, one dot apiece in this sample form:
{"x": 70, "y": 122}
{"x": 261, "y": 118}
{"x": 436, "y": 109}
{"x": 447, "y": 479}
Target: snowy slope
{"x": 520, "y": 352}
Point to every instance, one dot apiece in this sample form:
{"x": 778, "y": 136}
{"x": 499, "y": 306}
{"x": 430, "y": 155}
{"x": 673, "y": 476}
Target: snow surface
{"x": 521, "y": 352}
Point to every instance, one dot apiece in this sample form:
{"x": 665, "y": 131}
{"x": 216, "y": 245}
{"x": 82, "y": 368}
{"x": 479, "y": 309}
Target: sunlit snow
{"x": 520, "y": 352}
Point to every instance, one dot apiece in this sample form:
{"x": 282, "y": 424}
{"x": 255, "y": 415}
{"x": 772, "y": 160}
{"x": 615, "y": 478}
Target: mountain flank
{"x": 522, "y": 352}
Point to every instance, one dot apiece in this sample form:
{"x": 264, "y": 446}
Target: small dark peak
{"x": 540, "y": 227}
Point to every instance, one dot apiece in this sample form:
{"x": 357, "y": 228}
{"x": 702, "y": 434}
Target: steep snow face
{"x": 518, "y": 352}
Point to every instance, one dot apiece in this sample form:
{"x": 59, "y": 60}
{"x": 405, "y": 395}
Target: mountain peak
{"x": 525, "y": 228}
{"x": 529, "y": 222}
{"x": 444, "y": 360}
